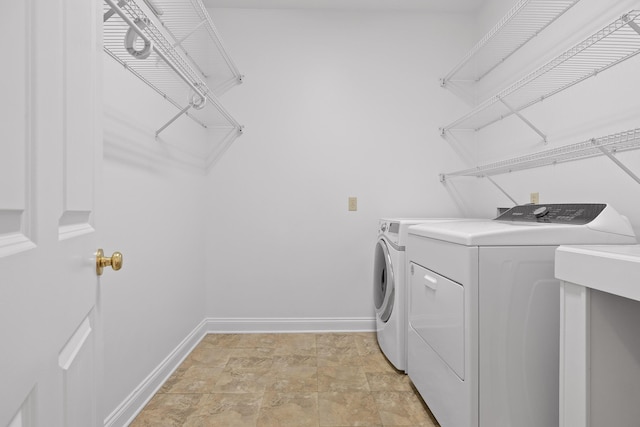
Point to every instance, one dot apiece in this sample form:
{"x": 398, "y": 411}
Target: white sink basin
{"x": 614, "y": 269}
{"x": 599, "y": 346}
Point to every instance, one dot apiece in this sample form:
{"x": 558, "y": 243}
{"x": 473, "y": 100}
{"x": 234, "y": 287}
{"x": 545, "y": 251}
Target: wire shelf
{"x": 523, "y": 22}
{"x": 193, "y": 33}
{"x": 616, "y": 143}
{"x": 164, "y": 70}
{"x": 613, "y": 44}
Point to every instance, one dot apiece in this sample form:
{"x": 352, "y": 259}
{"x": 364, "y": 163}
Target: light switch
{"x": 534, "y": 198}
{"x": 353, "y": 203}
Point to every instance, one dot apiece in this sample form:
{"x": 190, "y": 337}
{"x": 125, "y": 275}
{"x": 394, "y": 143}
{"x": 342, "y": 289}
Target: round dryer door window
{"x": 383, "y": 281}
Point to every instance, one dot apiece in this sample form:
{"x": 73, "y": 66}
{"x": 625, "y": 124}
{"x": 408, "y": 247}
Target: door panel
{"x": 78, "y": 121}
{"x": 25, "y": 417}
{"x": 49, "y": 311}
{"x": 16, "y": 130}
{"x": 76, "y": 362}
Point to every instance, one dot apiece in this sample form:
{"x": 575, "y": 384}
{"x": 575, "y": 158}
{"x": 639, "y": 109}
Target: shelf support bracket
{"x": 616, "y": 161}
{"x": 527, "y": 122}
{"x": 501, "y": 189}
{"x": 157, "y": 10}
{"x": 635, "y": 26}
{"x": 189, "y": 34}
{"x": 112, "y": 11}
{"x": 443, "y": 178}
{"x": 173, "y": 119}
{"x": 116, "y": 8}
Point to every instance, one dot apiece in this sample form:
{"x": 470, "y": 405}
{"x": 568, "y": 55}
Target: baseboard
{"x": 249, "y": 325}
{"x": 124, "y": 414}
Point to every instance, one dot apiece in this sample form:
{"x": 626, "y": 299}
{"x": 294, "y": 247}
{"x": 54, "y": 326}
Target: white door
{"x": 50, "y": 154}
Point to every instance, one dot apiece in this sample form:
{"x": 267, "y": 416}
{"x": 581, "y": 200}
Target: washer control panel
{"x": 572, "y": 213}
{"x": 389, "y": 227}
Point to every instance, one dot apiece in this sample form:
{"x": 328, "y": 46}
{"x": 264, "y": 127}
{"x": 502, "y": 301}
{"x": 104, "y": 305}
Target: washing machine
{"x": 484, "y": 311}
{"x": 389, "y": 286}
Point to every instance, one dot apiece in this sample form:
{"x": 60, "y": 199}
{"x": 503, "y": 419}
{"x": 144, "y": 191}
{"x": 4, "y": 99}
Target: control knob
{"x": 541, "y": 211}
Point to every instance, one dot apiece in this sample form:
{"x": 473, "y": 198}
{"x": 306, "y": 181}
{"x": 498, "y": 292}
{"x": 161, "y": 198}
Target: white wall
{"x": 335, "y": 104}
{"x": 154, "y": 214}
{"x": 597, "y": 107}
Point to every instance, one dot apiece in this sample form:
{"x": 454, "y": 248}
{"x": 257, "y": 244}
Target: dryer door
{"x": 383, "y": 281}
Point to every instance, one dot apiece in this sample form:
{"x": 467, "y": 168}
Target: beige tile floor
{"x": 297, "y": 380}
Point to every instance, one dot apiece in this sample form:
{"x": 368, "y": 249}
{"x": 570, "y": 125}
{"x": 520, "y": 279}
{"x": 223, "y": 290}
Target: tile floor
{"x": 297, "y": 380}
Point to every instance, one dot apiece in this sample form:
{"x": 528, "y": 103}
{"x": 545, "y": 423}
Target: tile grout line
{"x": 317, "y": 381}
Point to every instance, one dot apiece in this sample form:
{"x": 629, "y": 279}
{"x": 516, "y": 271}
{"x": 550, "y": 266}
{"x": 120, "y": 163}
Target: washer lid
{"x": 603, "y": 225}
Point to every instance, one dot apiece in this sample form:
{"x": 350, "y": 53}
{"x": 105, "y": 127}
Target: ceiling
{"x": 464, "y": 6}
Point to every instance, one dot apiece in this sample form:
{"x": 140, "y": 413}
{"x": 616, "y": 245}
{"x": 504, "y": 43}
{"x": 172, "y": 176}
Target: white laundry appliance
{"x": 483, "y": 333}
{"x": 390, "y": 286}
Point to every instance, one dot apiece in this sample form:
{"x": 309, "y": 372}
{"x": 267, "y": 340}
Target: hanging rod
{"x": 615, "y": 43}
{"x": 607, "y": 145}
{"x": 165, "y": 70}
{"x": 522, "y": 23}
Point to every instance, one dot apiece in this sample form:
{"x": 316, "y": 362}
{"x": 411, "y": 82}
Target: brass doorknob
{"x": 115, "y": 261}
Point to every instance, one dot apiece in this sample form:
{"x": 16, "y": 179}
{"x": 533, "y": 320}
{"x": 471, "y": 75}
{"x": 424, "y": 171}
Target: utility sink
{"x": 614, "y": 269}
{"x": 599, "y": 340}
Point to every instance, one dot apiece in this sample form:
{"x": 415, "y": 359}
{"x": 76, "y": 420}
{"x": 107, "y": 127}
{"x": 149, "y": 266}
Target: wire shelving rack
{"x": 161, "y": 66}
{"x": 613, "y": 44}
{"x": 524, "y": 21}
{"x": 194, "y": 34}
{"x": 607, "y": 145}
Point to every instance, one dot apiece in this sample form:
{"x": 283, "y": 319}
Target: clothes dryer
{"x": 390, "y": 288}
{"x": 483, "y": 332}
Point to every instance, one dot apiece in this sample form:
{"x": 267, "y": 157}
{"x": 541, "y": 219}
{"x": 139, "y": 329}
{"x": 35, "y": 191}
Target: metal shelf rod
{"x": 199, "y": 6}
{"x": 611, "y": 45}
{"x": 168, "y": 73}
{"x": 525, "y": 20}
{"x": 153, "y": 86}
{"x": 112, "y": 12}
{"x": 178, "y": 43}
{"x": 617, "y": 162}
{"x": 607, "y": 145}
{"x": 161, "y": 54}
{"x": 181, "y": 21}
{"x": 193, "y": 30}
{"x": 502, "y": 190}
{"x": 212, "y": 99}
{"x": 173, "y": 119}
{"x": 524, "y": 119}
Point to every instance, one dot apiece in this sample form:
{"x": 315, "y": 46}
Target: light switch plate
{"x": 353, "y": 204}
{"x": 534, "y": 198}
